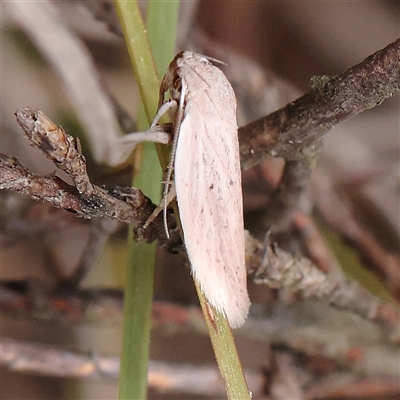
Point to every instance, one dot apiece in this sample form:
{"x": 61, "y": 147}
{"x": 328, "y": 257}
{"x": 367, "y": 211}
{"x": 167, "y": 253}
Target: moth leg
{"x": 155, "y": 134}
{"x": 169, "y": 189}
{"x": 168, "y": 105}
{"x": 170, "y": 167}
{"x": 163, "y": 204}
{"x": 124, "y": 145}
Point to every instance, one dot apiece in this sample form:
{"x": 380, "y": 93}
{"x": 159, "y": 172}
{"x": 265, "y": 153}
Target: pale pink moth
{"x": 207, "y": 180}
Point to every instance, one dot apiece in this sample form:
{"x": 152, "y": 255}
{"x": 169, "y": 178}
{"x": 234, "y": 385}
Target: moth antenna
{"x": 172, "y": 157}
{"x": 213, "y": 59}
{"x": 216, "y": 60}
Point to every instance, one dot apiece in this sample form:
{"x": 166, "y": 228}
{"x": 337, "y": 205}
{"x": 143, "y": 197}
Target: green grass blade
{"x": 140, "y": 276}
{"x": 162, "y": 24}
{"x": 224, "y": 350}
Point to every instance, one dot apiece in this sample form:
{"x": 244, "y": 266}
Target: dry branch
{"x": 127, "y": 205}
{"x": 295, "y": 131}
{"x": 35, "y": 358}
{"x": 269, "y": 264}
{"x": 64, "y": 150}
{"x": 280, "y": 269}
{"x": 284, "y": 200}
{"x": 276, "y": 328}
{"x": 42, "y": 359}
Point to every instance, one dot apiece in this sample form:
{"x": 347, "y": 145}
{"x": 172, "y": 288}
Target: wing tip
{"x": 236, "y": 310}
{"x": 237, "y": 313}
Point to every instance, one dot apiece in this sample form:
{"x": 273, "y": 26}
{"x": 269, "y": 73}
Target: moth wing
{"x": 209, "y": 194}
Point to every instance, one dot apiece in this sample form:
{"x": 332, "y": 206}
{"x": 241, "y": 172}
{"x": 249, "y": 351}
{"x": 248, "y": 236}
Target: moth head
{"x": 172, "y": 80}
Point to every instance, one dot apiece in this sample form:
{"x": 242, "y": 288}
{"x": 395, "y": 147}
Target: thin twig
{"x": 279, "y": 269}
{"x": 271, "y": 266}
{"x": 22, "y": 219}
{"x": 46, "y": 360}
{"x": 64, "y": 150}
{"x": 315, "y": 246}
{"x": 68, "y": 305}
{"x": 99, "y": 230}
{"x": 295, "y": 131}
{"x": 284, "y": 200}
{"x": 127, "y": 205}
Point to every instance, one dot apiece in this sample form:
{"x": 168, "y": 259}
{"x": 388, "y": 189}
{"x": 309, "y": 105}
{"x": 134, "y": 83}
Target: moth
{"x": 207, "y": 180}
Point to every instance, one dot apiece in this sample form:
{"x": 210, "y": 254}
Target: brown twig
{"x": 63, "y": 150}
{"x": 292, "y": 131}
{"x": 36, "y": 358}
{"x": 295, "y": 131}
{"x": 38, "y": 299}
{"x": 99, "y": 232}
{"x": 127, "y": 205}
{"x": 47, "y": 360}
{"x": 284, "y": 200}
{"x": 314, "y": 244}
{"x": 68, "y": 304}
{"x": 279, "y": 269}
{"x": 21, "y": 218}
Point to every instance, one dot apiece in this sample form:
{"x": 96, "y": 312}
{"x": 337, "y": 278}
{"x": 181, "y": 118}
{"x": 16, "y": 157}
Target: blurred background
{"x": 282, "y": 45}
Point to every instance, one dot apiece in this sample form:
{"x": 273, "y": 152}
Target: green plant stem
{"x": 140, "y": 54}
{"x": 140, "y": 275}
{"x": 137, "y": 322}
{"x": 162, "y": 24}
{"x": 224, "y": 350}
